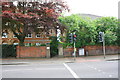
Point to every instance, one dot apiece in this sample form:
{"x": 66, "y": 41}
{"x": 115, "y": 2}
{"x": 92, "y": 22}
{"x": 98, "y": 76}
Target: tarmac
{"x": 17, "y": 61}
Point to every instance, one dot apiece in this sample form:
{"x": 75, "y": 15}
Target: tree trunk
{"x": 21, "y": 39}
{"x": 21, "y": 42}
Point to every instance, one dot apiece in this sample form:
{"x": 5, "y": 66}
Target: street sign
{"x": 81, "y": 52}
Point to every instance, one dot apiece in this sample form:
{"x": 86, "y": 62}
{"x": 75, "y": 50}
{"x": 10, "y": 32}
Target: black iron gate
{"x": 53, "y": 46}
{"x": 8, "y": 51}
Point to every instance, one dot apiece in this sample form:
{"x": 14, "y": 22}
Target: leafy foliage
{"x": 118, "y": 34}
{"x": 109, "y": 26}
{"x": 84, "y": 29}
{"x": 87, "y": 30}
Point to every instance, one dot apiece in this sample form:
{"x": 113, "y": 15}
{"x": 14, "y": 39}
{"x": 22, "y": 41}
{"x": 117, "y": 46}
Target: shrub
{"x": 8, "y": 51}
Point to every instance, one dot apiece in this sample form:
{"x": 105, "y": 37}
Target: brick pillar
{"x": 18, "y": 51}
{"x": 48, "y": 51}
{"x": 60, "y": 50}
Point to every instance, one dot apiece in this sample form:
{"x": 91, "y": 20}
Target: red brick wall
{"x": 98, "y": 50}
{"x": 68, "y": 52}
{"x": 93, "y": 50}
{"x": 23, "y": 51}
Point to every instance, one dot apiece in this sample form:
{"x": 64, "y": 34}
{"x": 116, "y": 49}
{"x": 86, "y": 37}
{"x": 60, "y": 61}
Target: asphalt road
{"x": 93, "y": 69}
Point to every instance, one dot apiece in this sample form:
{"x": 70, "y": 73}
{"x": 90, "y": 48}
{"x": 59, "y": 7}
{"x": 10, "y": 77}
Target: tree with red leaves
{"x": 26, "y": 17}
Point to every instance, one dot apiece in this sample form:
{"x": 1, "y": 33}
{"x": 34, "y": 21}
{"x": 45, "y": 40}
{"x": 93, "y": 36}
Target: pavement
{"x": 57, "y": 60}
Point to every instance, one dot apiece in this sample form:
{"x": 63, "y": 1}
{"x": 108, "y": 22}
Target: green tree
{"x": 118, "y": 34}
{"x": 85, "y": 29}
{"x": 109, "y": 26}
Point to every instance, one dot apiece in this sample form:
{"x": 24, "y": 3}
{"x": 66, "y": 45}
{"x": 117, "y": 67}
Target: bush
{"x": 8, "y": 51}
{"x": 43, "y": 45}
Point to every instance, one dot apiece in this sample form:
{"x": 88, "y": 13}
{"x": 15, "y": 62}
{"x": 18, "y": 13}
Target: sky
{"x": 95, "y": 7}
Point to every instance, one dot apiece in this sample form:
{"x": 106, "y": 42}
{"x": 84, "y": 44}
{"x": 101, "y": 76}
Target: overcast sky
{"x": 96, "y": 7}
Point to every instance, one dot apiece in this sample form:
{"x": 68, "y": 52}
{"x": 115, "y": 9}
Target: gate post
{"x": 60, "y": 50}
{"x": 48, "y": 51}
{"x": 18, "y": 51}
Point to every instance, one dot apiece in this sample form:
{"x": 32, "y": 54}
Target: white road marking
{"x": 35, "y": 69}
{"x": 20, "y": 62}
{"x": 16, "y": 70}
{"x": 103, "y": 72}
{"x": 110, "y": 75}
{"x": 15, "y": 65}
{"x": 11, "y": 70}
{"x": 50, "y": 68}
{"x": 99, "y": 70}
{"x": 71, "y": 71}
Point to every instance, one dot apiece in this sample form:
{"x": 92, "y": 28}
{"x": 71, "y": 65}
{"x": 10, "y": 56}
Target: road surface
{"x": 85, "y": 69}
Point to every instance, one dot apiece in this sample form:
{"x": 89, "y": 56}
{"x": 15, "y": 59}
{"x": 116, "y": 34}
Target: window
{"x": 29, "y": 35}
{"x": 4, "y": 43}
{"x": 38, "y": 35}
{"x": 15, "y": 43}
{"x": 47, "y": 43}
{"x": 28, "y": 44}
{"x": 4, "y": 35}
{"x": 38, "y": 44}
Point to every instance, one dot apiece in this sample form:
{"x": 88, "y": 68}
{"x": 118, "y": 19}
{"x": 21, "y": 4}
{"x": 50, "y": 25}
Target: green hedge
{"x": 8, "y": 51}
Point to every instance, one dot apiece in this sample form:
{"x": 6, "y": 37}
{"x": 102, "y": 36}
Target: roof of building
{"x": 90, "y": 15}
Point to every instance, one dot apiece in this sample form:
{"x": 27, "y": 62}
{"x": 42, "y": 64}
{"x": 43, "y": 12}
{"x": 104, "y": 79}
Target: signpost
{"x": 74, "y": 39}
{"x": 102, "y": 39}
{"x": 104, "y": 45}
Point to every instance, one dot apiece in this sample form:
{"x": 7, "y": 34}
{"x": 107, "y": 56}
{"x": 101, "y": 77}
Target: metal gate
{"x": 8, "y": 51}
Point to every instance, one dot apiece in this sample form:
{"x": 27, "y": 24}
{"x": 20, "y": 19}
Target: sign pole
{"x": 74, "y": 48}
{"x": 104, "y": 45}
{"x": 74, "y": 51}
